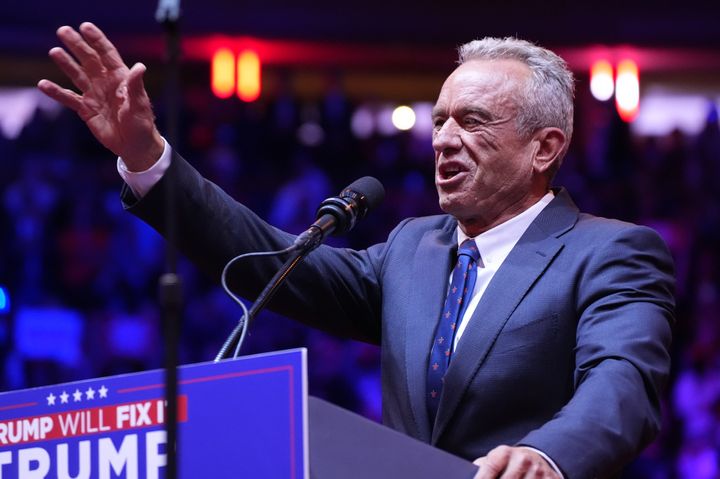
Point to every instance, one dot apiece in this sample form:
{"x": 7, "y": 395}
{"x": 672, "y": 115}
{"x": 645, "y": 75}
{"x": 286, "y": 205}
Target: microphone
{"x": 335, "y": 215}
{"x": 338, "y": 214}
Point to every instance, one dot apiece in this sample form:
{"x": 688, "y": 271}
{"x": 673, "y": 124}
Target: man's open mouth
{"x": 449, "y": 171}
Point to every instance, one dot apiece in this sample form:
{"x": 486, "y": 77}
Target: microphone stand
{"x": 170, "y": 291}
{"x": 335, "y": 215}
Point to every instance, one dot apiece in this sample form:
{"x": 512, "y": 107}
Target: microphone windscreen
{"x": 369, "y": 188}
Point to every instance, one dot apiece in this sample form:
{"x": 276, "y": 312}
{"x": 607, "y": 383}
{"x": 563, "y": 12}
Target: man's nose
{"x": 447, "y": 136}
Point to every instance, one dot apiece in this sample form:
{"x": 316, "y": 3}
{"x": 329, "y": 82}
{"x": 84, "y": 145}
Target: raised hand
{"x": 112, "y": 100}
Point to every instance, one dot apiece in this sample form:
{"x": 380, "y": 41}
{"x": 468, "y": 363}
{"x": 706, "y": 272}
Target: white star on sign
{"x": 51, "y": 399}
{"x": 64, "y": 398}
{"x": 90, "y": 393}
{"x": 77, "y": 396}
{"x": 103, "y": 391}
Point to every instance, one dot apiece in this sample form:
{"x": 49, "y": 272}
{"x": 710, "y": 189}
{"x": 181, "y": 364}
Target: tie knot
{"x": 469, "y": 248}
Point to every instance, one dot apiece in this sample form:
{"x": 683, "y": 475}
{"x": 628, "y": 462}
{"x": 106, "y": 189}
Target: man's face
{"x": 483, "y": 167}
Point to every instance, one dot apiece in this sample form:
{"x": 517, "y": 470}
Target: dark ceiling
{"x": 27, "y": 26}
{"x": 679, "y": 41}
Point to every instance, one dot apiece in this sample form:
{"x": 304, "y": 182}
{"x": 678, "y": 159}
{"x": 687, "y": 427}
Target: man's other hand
{"x": 505, "y": 462}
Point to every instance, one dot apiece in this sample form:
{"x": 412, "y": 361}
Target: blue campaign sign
{"x": 238, "y": 418}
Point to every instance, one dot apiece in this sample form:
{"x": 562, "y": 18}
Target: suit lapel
{"x": 431, "y": 269}
{"x": 521, "y": 269}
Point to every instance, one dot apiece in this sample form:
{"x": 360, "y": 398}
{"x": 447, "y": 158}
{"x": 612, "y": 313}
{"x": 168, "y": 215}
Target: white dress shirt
{"x": 140, "y": 182}
{"x": 494, "y": 245}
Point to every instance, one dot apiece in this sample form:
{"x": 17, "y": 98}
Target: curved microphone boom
{"x": 338, "y": 214}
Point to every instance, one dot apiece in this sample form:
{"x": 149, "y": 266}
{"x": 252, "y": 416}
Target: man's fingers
{"x": 520, "y": 466}
{"x": 137, "y": 96}
{"x": 488, "y": 471}
{"x": 109, "y": 55}
{"x": 64, "y": 96}
{"x": 524, "y": 463}
{"x": 482, "y": 473}
{"x": 69, "y": 66}
{"x": 492, "y": 465}
{"x": 88, "y": 58}
{"x": 136, "y": 86}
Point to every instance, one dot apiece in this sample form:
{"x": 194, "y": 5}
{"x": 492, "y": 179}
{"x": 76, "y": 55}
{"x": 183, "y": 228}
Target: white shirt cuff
{"x": 547, "y": 458}
{"x": 140, "y": 182}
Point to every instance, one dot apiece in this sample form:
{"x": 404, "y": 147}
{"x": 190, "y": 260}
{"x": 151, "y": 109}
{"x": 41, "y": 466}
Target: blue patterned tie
{"x": 458, "y": 297}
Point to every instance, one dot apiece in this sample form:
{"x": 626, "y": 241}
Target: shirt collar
{"x": 495, "y": 244}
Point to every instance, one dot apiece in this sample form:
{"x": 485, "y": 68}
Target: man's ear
{"x": 551, "y": 143}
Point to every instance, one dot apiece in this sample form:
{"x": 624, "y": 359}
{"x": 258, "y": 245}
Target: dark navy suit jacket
{"x": 566, "y": 352}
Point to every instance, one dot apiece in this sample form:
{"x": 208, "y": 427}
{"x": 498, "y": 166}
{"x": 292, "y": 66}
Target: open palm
{"x": 112, "y": 100}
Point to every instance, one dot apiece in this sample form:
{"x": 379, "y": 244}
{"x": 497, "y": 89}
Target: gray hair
{"x": 549, "y": 93}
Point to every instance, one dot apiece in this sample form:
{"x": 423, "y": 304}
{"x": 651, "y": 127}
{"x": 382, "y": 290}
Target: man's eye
{"x": 470, "y": 121}
{"x": 438, "y": 123}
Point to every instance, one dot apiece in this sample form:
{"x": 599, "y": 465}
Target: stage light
{"x": 423, "y": 119}
{"x": 601, "y": 80}
{"x": 248, "y": 76}
{"x": 4, "y": 300}
{"x": 384, "y": 120}
{"x": 664, "y": 111}
{"x": 627, "y": 90}
{"x": 311, "y": 134}
{"x": 222, "y": 77}
{"x": 403, "y": 117}
{"x": 362, "y": 123}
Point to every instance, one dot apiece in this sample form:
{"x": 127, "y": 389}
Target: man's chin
{"x": 450, "y": 207}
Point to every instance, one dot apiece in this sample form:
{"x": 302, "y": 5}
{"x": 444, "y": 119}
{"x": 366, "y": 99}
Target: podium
{"x": 244, "y": 418}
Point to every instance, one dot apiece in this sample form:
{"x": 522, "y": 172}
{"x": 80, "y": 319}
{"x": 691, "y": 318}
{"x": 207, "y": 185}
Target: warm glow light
{"x": 248, "y": 74}
{"x": 601, "y": 80}
{"x": 627, "y": 90}
{"x": 403, "y": 117}
{"x": 222, "y": 73}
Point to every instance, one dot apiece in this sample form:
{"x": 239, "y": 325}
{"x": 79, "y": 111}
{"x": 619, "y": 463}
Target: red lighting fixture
{"x": 222, "y": 73}
{"x": 602, "y": 84}
{"x": 248, "y": 76}
{"x": 627, "y": 90}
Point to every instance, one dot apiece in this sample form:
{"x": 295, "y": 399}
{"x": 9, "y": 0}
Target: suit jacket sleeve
{"x": 212, "y": 228}
{"x": 626, "y": 310}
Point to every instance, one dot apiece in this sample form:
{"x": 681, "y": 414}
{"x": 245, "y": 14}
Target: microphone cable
{"x": 336, "y": 215}
{"x": 238, "y": 334}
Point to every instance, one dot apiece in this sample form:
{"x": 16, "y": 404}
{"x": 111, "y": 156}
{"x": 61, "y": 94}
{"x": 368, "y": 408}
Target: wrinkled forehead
{"x": 491, "y": 82}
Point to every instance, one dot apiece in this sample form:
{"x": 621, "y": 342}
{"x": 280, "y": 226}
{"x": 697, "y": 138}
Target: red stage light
{"x": 601, "y": 80}
{"x": 222, "y": 71}
{"x": 627, "y": 90}
{"x": 248, "y": 75}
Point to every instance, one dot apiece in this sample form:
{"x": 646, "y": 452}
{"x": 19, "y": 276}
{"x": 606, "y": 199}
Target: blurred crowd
{"x": 81, "y": 274}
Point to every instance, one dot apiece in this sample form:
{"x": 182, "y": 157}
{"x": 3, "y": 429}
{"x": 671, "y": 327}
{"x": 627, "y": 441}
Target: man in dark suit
{"x": 550, "y": 365}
